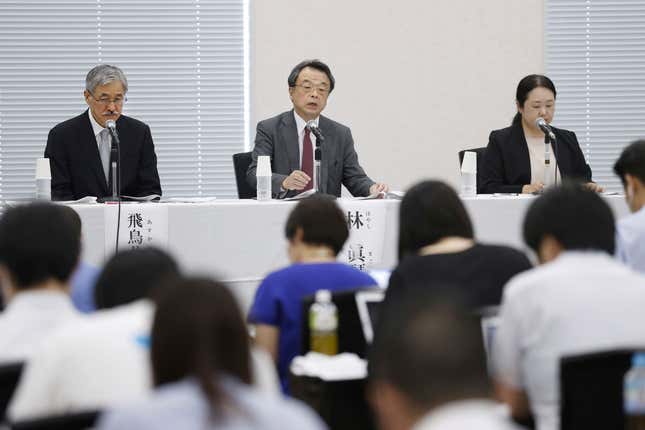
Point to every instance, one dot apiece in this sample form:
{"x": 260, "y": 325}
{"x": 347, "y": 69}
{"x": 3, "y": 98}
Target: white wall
{"x": 416, "y": 80}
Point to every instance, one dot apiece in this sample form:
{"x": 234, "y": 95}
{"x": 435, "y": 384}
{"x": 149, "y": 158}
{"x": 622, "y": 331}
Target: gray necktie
{"x": 104, "y": 151}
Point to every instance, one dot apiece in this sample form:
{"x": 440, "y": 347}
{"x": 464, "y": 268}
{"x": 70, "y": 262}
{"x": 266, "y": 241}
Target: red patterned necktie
{"x": 308, "y": 159}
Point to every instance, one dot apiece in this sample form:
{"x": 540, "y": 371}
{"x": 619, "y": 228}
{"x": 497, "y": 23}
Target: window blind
{"x": 186, "y": 64}
{"x": 595, "y": 54}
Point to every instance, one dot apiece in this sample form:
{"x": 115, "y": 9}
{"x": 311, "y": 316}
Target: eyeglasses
{"x": 107, "y": 101}
{"x": 308, "y": 88}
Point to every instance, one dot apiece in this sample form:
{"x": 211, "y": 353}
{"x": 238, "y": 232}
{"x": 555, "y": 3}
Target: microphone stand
{"x": 549, "y": 138}
{"x": 115, "y": 163}
{"x": 317, "y": 161}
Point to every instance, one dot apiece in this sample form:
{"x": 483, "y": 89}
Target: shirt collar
{"x": 95, "y": 125}
{"x": 301, "y": 123}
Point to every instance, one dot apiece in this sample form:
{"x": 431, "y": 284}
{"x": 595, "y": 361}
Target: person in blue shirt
{"x": 316, "y": 230}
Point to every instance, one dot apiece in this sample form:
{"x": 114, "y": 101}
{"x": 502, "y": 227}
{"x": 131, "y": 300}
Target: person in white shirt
{"x": 630, "y": 230}
{"x": 579, "y": 300}
{"x": 427, "y": 368}
{"x": 103, "y": 361}
{"x": 39, "y": 249}
{"x": 201, "y": 367}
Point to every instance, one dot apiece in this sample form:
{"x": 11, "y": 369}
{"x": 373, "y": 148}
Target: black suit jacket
{"x": 278, "y": 138}
{"x": 507, "y": 165}
{"x": 76, "y": 164}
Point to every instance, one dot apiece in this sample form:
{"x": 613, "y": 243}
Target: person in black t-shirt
{"x": 437, "y": 249}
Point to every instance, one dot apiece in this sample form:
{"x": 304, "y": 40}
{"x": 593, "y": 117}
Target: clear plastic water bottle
{"x": 263, "y": 178}
{"x": 323, "y": 324}
{"x": 634, "y": 394}
{"x": 468, "y": 184}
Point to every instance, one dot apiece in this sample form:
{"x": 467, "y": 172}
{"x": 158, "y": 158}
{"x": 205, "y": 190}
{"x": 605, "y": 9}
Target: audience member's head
{"x": 39, "y": 246}
{"x": 316, "y": 223}
{"x": 429, "y": 212}
{"x": 133, "y": 275}
{"x": 430, "y": 354}
{"x": 630, "y": 168}
{"x": 199, "y": 332}
{"x": 569, "y": 217}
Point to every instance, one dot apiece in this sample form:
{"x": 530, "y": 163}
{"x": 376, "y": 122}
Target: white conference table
{"x": 240, "y": 241}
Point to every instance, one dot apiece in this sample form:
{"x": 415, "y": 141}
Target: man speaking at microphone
{"x": 291, "y": 144}
{"x": 79, "y": 148}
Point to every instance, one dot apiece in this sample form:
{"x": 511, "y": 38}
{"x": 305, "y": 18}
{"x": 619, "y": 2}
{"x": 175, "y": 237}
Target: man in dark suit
{"x": 290, "y": 144}
{"x": 79, "y": 148}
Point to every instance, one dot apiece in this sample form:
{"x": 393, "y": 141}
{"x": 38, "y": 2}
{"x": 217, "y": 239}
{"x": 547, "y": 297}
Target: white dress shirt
{"x": 630, "y": 240}
{"x": 96, "y": 127}
{"x": 466, "y": 415}
{"x": 581, "y": 302}
{"x": 30, "y": 318}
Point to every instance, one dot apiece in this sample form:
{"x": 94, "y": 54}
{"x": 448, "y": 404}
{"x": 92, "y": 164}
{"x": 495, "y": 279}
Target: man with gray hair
{"x": 79, "y": 148}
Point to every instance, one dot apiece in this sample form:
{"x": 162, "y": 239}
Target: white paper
{"x": 366, "y": 222}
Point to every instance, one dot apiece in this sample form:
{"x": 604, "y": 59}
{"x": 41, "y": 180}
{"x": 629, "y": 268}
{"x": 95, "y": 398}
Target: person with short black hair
{"x": 39, "y": 249}
{"x": 437, "y": 247}
{"x": 427, "y": 368}
{"x": 579, "y": 300}
{"x": 201, "y": 369}
{"x": 630, "y": 230}
{"x": 316, "y": 230}
{"x": 289, "y": 143}
{"x": 514, "y": 161}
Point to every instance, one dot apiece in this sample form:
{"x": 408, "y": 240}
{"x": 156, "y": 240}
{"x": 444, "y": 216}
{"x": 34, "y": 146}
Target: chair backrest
{"x": 72, "y": 421}
{"x": 591, "y": 389}
{"x": 241, "y": 162}
{"x": 480, "y": 160}
{"x": 9, "y": 377}
{"x": 350, "y": 329}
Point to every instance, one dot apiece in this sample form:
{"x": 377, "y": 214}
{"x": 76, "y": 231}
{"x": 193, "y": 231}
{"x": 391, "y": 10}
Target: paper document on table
{"x": 302, "y": 195}
{"x": 189, "y": 199}
{"x": 84, "y": 200}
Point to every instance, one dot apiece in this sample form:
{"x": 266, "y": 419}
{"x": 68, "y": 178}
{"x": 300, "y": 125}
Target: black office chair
{"x": 241, "y": 162}
{"x": 73, "y": 421}
{"x": 480, "y": 161}
{"x": 591, "y": 390}
{"x": 9, "y": 377}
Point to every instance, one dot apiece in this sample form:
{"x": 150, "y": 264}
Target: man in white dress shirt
{"x": 39, "y": 249}
{"x": 579, "y": 300}
{"x": 630, "y": 230}
{"x": 428, "y": 371}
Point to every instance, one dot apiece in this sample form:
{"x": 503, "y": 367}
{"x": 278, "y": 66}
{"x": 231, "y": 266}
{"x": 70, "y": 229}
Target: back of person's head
{"x": 321, "y": 221}
{"x": 429, "y": 348}
{"x": 429, "y": 212}
{"x": 632, "y": 162}
{"x": 198, "y": 331}
{"x": 39, "y": 242}
{"x": 576, "y": 217}
{"x": 133, "y": 275}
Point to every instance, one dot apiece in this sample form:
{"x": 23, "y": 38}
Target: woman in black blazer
{"x": 514, "y": 158}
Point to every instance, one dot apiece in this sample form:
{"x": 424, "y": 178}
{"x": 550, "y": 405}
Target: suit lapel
{"x": 522, "y": 151}
{"x": 289, "y": 138}
{"x": 328, "y": 149}
{"x": 89, "y": 145}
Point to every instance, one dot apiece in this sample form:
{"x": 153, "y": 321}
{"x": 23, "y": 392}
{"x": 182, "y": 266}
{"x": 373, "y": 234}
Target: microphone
{"x": 546, "y": 129}
{"x": 311, "y": 126}
{"x": 111, "y": 126}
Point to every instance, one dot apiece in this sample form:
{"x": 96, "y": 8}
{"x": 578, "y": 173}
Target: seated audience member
{"x": 202, "y": 371}
{"x": 427, "y": 369}
{"x": 437, "y": 248}
{"x": 84, "y": 278}
{"x": 104, "y": 361}
{"x": 579, "y": 300}
{"x": 316, "y": 231}
{"x": 39, "y": 248}
{"x": 514, "y": 158}
{"x": 630, "y": 231}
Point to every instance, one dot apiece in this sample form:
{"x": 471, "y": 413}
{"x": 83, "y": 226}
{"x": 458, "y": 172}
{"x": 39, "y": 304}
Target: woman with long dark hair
{"x": 201, "y": 369}
{"x": 514, "y": 161}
